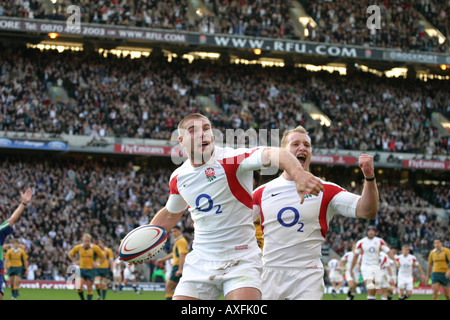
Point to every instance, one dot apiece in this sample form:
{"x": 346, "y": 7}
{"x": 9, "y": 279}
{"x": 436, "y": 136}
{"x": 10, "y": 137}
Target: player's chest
{"x": 371, "y": 247}
{"x": 86, "y": 253}
{"x": 405, "y": 261}
{"x": 15, "y": 255}
{"x": 200, "y": 187}
{"x": 283, "y": 206}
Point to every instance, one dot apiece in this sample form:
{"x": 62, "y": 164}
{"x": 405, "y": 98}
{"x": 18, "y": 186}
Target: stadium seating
{"x": 403, "y": 25}
{"x": 115, "y": 99}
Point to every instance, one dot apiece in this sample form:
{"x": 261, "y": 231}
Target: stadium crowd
{"x": 437, "y": 12}
{"x": 109, "y": 197}
{"x": 146, "y": 98}
{"x": 401, "y": 25}
{"x": 338, "y": 21}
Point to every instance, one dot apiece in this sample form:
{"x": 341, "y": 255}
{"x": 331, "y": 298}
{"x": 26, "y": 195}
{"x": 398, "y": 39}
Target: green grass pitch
{"x": 64, "y": 294}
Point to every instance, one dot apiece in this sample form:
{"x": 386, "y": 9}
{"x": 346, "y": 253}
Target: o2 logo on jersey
{"x": 287, "y": 212}
{"x": 200, "y": 207}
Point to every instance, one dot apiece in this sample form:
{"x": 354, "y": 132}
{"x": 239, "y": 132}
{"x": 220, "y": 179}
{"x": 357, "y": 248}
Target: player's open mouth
{"x": 301, "y": 158}
{"x": 205, "y": 144}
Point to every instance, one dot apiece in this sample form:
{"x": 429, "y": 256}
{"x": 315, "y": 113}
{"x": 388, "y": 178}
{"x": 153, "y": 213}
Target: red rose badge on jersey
{"x": 210, "y": 174}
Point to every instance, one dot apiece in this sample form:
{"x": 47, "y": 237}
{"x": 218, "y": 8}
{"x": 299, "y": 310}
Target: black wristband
{"x": 24, "y": 204}
{"x": 370, "y": 179}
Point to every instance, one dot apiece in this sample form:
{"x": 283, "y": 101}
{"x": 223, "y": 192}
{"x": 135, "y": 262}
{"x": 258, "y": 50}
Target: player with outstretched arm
{"x": 6, "y": 228}
{"x": 216, "y": 185}
{"x": 294, "y": 232}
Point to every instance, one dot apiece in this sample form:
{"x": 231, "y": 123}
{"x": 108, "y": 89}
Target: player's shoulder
{"x": 225, "y": 152}
{"x": 77, "y": 246}
{"x": 363, "y": 240}
{"x": 274, "y": 182}
{"x": 181, "y": 241}
{"x": 348, "y": 253}
{"x": 277, "y": 183}
{"x": 331, "y": 184}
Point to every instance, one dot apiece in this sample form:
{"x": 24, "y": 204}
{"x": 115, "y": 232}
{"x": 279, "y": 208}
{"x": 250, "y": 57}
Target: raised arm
{"x": 367, "y": 207}
{"x": 25, "y": 199}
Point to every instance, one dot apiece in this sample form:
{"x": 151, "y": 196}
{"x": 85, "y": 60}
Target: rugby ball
{"x": 142, "y": 243}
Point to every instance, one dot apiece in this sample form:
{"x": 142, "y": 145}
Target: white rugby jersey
{"x": 347, "y": 258}
{"x": 334, "y": 266}
{"x": 370, "y": 250}
{"x": 219, "y": 197}
{"x": 384, "y": 261}
{"x": 407, "y": 265}
{"x": 293, "y": 232}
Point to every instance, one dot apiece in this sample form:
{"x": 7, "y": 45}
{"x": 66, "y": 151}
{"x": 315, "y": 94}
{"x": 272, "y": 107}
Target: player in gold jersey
{"x": 87, "y": 255}
{"x": 17, "y": 262}
{"x": 178, "y": 254}
{"x": 438, "y": 263}
{"x": 104, "y": 271}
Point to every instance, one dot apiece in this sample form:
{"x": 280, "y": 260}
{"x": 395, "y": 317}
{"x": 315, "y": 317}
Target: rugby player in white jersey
{"x": 386, "y": 276}
{"x": 346, "y": 263}
{"x": 216, "y": 185}
{"x": 335, "y": 275}
{"x": 405, "y": 264}
{"x": 370, "y": 247}
{"x": 294, "y": 232}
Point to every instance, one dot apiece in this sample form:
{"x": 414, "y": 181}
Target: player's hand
{"x": 26, "y": 197}
{"x": 307, "y": 183}
{"x": 365, "y": 162}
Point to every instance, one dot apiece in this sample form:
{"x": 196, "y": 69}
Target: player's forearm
{"x": 165, "y": 219}
{"x": 282, "y": 159}
{"x": 16, "y": 214}
{"x": 367, "y": 207}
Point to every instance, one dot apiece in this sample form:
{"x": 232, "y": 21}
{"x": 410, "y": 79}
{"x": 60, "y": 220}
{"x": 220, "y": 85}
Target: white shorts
{"x": 384, "y": 280}
{"x": 127, "y": 274}
{"x": 370, "y": 273}
{"x": 292, "y": 284}
{"x": 336, "y": 277}
{"x": 406, "y": 283}
{"x": 348, "y": 276}
{"x": 117, "y": 273}
{"x": 208, "y": 280}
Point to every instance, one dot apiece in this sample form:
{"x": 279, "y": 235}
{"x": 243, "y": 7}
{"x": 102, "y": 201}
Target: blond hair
{"x": 86, "y": 235}
{"x": 284, "y": 139}
{"x": 188, "y": 117}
